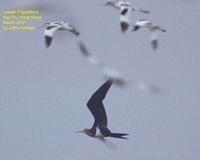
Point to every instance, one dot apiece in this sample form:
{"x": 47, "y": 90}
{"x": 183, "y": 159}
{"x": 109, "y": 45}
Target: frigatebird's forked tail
{"x": 118, "y": 135}
{"x": 107, "y": 133}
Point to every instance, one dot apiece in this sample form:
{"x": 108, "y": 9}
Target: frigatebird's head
{"x": 86, "y": 131}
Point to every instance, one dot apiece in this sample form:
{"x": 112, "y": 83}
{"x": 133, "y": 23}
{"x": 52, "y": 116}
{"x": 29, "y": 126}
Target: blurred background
{"x": 43, "y": 92}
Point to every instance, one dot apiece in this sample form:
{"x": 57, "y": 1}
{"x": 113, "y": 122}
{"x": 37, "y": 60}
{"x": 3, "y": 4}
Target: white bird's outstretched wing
{"x": 115, "y": 75}
{"x": 138, "y": 9}
{"x": 108, "y": 73}
{"x": 70, "y": 28}
{"x": 86, "y": 53}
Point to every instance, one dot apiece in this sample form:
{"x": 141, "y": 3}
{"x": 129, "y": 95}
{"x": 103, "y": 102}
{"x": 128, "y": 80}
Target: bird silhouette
{"x": 96, "y": 107}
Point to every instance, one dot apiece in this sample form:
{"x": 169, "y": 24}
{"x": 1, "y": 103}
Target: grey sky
{"x": 44, "y": 92}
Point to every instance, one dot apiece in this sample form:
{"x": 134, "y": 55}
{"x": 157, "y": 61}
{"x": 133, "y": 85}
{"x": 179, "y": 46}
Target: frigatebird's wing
{"x": 95, "y": 105}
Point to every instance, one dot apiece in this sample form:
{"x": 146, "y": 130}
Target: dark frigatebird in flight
{"x": 96, "y": 107}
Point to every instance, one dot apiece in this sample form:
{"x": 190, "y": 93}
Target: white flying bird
{"x": 125, "y": 8}
{"x": 108, "y": 73}
{"x": 119, "y": 3}
{"x": 153, "y": 28}
{"x": 115, "y": 75}
{"x": 51, "y": 27}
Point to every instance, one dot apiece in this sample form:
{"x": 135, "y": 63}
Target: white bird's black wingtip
{"x": 107, "y": 4}
{"x": 83, "y": 49}
{"x": 75, "y": 32}
{"x": 135, "y": 28}
{"x": 145, "y": 11}
{"x": 124, "y": 26}
{"x": 48, "y": 41}
{"x": 154, "y": 44}
{"x": 124, "y": 11}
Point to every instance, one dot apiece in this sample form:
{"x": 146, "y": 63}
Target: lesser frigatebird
{"x": 96, "y": 107}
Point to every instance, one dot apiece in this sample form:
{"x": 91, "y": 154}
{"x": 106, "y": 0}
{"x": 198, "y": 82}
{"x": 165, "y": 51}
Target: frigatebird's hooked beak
{"x": 79, "y": 132}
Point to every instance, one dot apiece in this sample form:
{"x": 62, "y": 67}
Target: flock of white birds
{"x": 125, "y": 9}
